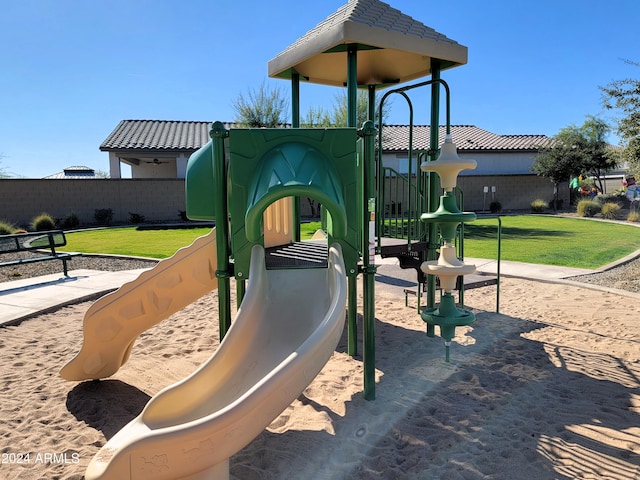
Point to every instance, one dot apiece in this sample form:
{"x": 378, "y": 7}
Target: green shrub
{"x": 611, "y": 211}
{"x": 610, "y": 198}
{"x": 538, "y": 206}
{"x": 6, "y": 228}
{"x": 103, "y": 216}
{"x": 588, "y": 208}
{"x": 634, "y": 216}
{"x": 135, "y": 218}
{"x": 43, "y": 222}
{"x": 70, "y": 222}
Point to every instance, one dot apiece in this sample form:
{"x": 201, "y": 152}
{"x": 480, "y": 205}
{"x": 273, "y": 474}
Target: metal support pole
{"x": 352, "y": 85}
{"x": 433, "y": 178}
{"x": 372, "y": 103}
{"x": 295, "y": 123}
{"x": 352, "y": 294}
{"x": 368, "y": 253}
{"x": 218, "y": 133}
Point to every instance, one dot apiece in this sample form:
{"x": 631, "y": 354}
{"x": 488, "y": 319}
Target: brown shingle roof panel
{"x": 168, "y": 135}
{"x": 403, "y": 47}
{"x": 157, "y": 135}
{"x": 466, "y": 137}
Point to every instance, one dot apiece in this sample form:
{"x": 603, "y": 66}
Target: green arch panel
{"x": 295, "y": 169}
{"x": 268, "y": 164}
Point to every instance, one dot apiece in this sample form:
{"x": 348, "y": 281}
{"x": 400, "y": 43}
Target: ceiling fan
{"x": 155, "y": 161}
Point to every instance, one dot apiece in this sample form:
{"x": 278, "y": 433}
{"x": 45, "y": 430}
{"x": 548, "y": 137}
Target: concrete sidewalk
{"x": 22, "y": 299}
{"x": 526, "y": 270}
{"x": 512, "y": 269}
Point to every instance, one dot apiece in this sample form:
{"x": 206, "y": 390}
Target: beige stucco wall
{"x": 157, "y": 200}
{"x": 160, "y": 200}
{"x": 514, "y": 192}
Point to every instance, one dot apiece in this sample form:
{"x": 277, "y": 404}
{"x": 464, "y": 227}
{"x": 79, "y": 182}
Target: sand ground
{"x": 549, "y": 388}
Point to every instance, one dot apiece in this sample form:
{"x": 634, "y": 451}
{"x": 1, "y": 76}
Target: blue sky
{"x": 72, "y": 69}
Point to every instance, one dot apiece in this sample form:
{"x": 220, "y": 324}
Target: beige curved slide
{"x": 286, "y": 329}
{"x": 112, "y": 324}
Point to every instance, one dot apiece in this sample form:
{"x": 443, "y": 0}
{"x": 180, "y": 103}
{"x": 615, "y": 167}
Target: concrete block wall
{"x": 159, "y": 200}
{"x": 514, "y": 192}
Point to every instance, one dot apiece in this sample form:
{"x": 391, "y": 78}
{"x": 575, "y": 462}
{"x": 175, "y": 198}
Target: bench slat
{"x": 26, "y": 242}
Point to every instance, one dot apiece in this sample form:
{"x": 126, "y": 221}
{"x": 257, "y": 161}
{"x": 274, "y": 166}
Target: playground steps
{"x": 413, "y": 257}
{"x": 409, "y": 255}
{"x": 309, "y": 254}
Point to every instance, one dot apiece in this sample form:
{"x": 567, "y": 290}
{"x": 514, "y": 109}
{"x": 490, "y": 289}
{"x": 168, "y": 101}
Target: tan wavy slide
{"x": 112, "y": 324}
{"x": 286, "y": 329}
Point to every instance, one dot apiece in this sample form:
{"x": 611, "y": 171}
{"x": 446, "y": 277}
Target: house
{"x": 161, "y": 149}
{"x": 154, "y": 148}
{"x": 74, "y": 173}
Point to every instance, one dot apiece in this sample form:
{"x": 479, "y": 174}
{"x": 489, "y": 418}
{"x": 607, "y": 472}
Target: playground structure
{"x": 291, "y": 305}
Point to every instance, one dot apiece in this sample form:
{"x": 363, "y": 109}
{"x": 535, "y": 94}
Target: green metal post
{"x": 241, "y": 289}
{"x": 433, "y": 178}
{"x": 498, "y": 265}
{"x": 372, "y": 103}
{"x": 218, "y": 133}
{"x": 352, "y": 293}
{"x": 295, "y": 123}
{"x": 368, "y": 254}
{"x": 352, "y": 86}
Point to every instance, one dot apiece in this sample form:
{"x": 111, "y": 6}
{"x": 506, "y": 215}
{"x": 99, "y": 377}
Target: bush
{"x": 43, "y": 222}
{"x": 588, "y": 208}
{"x": 611, "y": 211}
{"x": 612, "y": 198}
{"x": 634, "y": 216}
{"x": 135, "y": 218}
{"x": 103, "y": 216}
{"x": 70, "y": 222}
{"x": 6, "y": 228}
{"x": 495, "y": 207}
{"x": 538, "y": 205}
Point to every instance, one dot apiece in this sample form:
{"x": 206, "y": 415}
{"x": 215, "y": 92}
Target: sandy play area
{"x": 547, "y": 389}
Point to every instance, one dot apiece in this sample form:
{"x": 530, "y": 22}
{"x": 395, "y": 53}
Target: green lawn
{"x": 570, "y": 242}
{"x": 132, "y": 242}
{"x": 145, "y": 243}
{"x": 539, "y": 239}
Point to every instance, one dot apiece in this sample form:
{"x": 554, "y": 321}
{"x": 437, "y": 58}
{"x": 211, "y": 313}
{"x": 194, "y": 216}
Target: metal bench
{"x": 35, "y": 242}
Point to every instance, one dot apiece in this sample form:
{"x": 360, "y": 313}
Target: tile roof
{"x": 73, "y": 173}
{"x": 166, "y": 135}
{"x": 466, "y": 137}
{"x": 155, "y": 135}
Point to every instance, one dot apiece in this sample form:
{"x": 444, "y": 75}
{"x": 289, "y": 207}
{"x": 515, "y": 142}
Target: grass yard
{"x": 550, "y": 240}
{"x": 570, "y": 242}
{"x": 145, "y": 243}
{"x": 131, "y": 242}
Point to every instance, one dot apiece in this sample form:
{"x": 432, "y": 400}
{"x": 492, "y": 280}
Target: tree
{"x": 264, "y": 107}
{"x": 577, "y": 151}
{"x": 3, "y": 171}
{"x": 557, "y": 162}
{"x": 624, "y": 95}
{"x": 340, "y": 115}
{"x": 599, "y": 156}
{"x": 316, "y": 118}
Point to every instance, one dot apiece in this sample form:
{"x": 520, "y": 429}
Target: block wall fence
{"x": 161, "y": 200}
